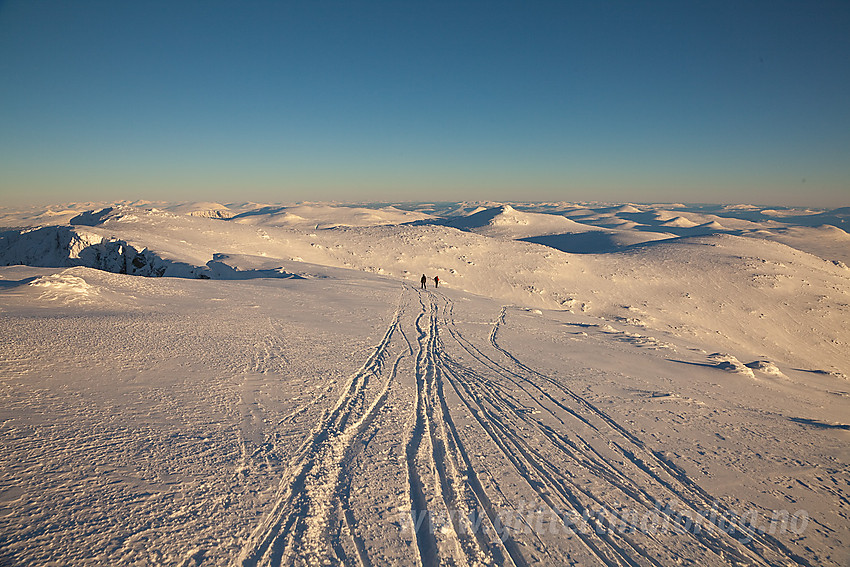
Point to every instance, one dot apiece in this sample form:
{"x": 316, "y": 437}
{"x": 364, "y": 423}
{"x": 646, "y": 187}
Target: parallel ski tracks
{"x": 295, "y": 530}
{"x": 572, "y": 458}
{"x": 476, "y": 535}
{"x": 658, "y": 483}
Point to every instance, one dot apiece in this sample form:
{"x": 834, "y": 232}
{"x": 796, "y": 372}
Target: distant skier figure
{"x": 423, "y": 280}
{"x": 436, "y": 281}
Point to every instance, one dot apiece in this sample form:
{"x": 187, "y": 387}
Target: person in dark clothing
{"x": 423, "y": 280}
{"x": 436, "y": 281}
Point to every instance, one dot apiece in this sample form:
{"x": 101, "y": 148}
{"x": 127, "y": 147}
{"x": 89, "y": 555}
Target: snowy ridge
{"x": 505, "y": 221}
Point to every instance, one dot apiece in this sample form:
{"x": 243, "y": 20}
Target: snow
{"x": 679, "y": 222}
{"x": 675, "y": 393}
{"x": 64, "y": 287}
{"x": 326, "y": 216}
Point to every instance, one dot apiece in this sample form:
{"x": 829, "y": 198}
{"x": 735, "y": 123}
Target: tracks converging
{"x": 463, "y": 454}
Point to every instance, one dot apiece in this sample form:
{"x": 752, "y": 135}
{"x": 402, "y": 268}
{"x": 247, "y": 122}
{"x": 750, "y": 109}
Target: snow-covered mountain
{"x": 590, "y": 383}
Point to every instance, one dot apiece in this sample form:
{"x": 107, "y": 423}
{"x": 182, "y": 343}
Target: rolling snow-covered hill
{"x": 251, "y": 384}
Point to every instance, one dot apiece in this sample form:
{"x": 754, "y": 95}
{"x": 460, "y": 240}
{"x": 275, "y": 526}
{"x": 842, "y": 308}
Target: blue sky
{"x": 739, "y": 101}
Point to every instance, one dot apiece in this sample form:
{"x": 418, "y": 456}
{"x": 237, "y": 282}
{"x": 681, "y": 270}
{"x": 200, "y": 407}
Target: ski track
{"x": 485, "y": 433}
{"x": 297, "y": 523}
{"x": 659, "y": 472}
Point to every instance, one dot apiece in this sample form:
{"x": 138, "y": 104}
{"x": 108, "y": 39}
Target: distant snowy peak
{"x": 116, "y": 213}
{"x": 506, "y": 222}
{"x": 94, "y": 218}
{"x": 628, "y": 208}
{"x": 321, "y": 216}
{"x": 213, "y": 214}
{"x": 713, "y": 225}
{"x": 679, "y": 222}
{"x": 508, "y": 216}
{"x": 482, "y": 217}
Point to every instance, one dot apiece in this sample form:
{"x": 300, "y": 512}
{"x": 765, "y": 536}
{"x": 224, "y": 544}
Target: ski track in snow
{"x": 483, "y": 434}
{"x": 298, "y": 522}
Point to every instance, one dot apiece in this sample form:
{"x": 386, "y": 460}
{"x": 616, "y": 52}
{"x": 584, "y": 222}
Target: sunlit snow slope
{"x": 250, "y": 384}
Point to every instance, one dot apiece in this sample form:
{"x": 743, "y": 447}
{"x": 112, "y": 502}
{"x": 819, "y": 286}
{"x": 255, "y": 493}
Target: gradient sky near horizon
{"x": 685, "y": 101}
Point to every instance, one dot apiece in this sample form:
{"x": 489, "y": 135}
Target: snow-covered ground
{"x": 591, "y": 384}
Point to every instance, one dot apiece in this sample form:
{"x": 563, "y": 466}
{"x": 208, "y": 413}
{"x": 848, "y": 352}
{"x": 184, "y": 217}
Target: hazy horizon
{"x": 46, "y": 203}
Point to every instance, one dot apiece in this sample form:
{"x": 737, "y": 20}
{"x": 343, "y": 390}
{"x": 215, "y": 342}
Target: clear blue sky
{"x": 732, "y": 101}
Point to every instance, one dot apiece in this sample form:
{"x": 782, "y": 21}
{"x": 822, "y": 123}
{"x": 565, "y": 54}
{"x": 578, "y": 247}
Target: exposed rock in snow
{"x": 67, "y": 246}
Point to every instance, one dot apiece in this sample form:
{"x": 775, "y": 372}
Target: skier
{"x": 436, "y": 281}
{"x": 423, "y": 280}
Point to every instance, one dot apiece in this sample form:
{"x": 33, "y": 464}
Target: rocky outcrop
{"x": 66, "y": 246}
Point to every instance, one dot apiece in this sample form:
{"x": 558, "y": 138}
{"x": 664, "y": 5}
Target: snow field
{"x": 682, "y": 401}
{"x": 157, "y": 423}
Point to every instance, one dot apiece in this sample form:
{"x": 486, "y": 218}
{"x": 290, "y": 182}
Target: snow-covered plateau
{"x": 590, "y": 384}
